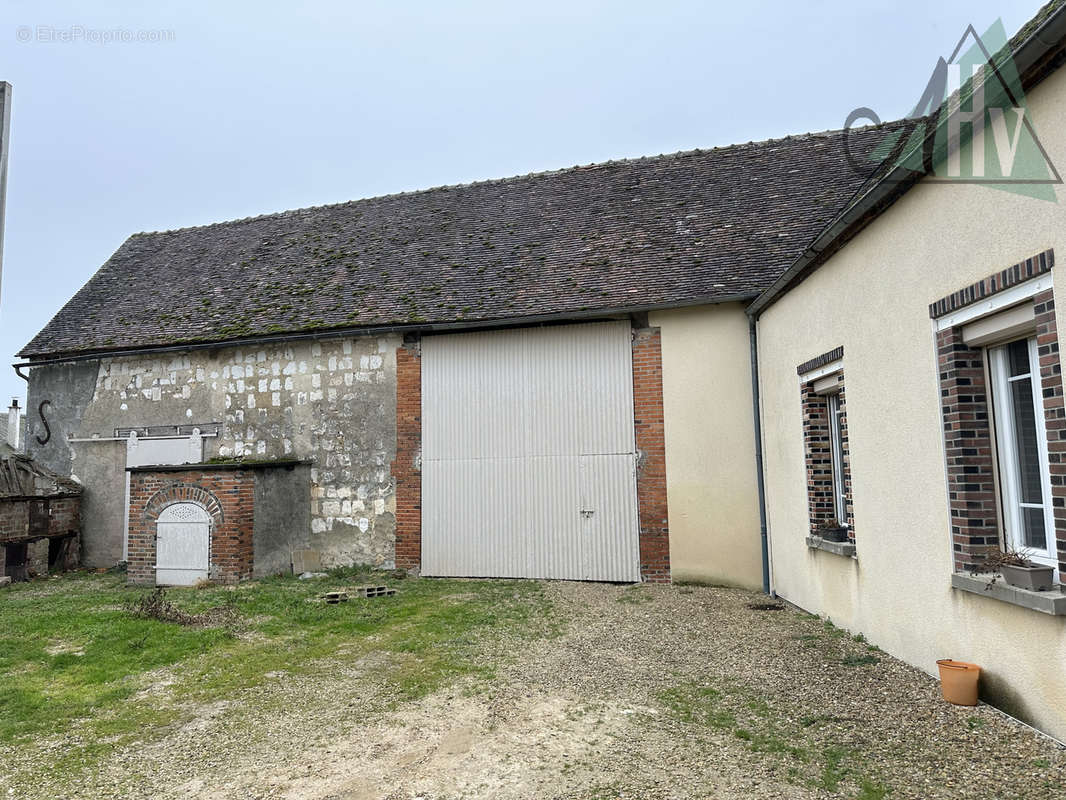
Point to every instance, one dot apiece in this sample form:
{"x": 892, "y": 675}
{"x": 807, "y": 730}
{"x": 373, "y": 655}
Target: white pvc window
{"x": 836, "y": 439}
{"x": 1021, "y": 447}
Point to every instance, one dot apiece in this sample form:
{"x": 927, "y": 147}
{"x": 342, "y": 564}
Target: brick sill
{"x": 845, "y": 549}
{"x": 1051, "y": 602}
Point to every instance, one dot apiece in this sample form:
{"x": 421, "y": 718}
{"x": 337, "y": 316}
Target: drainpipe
{"x": 757, "y": 418}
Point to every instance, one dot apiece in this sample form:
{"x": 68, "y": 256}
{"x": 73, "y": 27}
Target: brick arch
{"x": 185, "y": 493}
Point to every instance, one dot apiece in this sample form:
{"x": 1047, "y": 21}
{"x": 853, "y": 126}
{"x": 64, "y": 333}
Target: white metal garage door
{"x": 528, "y": 456}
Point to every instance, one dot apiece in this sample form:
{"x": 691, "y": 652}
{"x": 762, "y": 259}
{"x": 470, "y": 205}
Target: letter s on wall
{"x": 47, "y": 430}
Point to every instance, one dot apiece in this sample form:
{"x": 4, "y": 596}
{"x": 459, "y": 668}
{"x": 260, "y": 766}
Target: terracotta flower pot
{"x": 958, "y": 681}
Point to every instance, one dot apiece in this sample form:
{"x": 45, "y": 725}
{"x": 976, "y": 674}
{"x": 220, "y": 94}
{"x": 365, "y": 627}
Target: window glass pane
{"x": 1025, "y": 434}
{"x": 1035, "y": 534}
{"x": 836, "y": 443}
{"x": 1018, "y": 357}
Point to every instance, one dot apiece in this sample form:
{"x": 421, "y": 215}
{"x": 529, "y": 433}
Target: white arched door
{"x": 183, "y": 534}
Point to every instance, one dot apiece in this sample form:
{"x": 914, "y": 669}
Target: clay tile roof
{"x": 693, "y": 227}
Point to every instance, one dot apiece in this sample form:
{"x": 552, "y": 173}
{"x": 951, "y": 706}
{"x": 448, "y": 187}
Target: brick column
{"x": 407, "y": 468}
{"x": 651, "y": 444}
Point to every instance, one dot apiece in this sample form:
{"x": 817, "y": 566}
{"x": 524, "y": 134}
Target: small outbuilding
{"x": 221, "y": 521}
{"x": 40, "y": 519}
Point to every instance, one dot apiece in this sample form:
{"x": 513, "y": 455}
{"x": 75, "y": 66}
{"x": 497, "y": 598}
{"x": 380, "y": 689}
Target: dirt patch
{"x": 64, "y": 648}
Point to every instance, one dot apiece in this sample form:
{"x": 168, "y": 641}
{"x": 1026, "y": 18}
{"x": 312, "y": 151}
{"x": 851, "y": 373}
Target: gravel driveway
{"x": 638, "y": 692}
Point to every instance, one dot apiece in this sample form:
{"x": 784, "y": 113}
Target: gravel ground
{"x": 646, "y": 692}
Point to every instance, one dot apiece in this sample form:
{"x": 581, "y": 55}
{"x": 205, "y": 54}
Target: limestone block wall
{"x": 331, "y": 402}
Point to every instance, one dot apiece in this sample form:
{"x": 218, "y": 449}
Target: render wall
{"x": 282, "y": 518}
{"x": 331, "y": 402}
{"x": 711, "y": 479}
{"x": 872, "y": 298}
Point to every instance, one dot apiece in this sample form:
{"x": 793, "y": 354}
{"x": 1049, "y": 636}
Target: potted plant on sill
{"x": 1019, "y": 570}
{"x": 832, "y": 530}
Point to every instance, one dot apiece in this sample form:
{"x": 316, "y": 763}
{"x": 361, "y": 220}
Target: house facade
{"x": 912, "y": 318}
{"x": 689, "y": 368}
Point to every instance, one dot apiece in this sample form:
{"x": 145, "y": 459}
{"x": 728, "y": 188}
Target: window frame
{"x": 1004, "y": 443}
{"x": 836, "y": 455}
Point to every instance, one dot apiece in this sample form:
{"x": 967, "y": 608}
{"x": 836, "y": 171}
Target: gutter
{"x": 1027, "y": 56}
{"x": 336, "y": 333}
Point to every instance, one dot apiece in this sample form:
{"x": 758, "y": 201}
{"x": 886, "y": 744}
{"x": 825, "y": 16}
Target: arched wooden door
{"x": 183, "y": 535}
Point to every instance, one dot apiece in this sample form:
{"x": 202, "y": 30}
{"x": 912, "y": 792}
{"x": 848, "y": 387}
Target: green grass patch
{"x": 872, "y": 790}
{"x": 71, "y": 653}
{"x": 634, "y": 595}
{"x": 832, "y": 768}
{"x": 808, "y": 754}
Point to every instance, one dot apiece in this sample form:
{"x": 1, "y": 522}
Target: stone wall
{"x": 331, "y": 402}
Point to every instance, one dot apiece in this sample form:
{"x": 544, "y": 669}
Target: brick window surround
{"x": 817, "y": 446}
{"x": 967, "y": 422}
{"x": 650, "y": 441}
{"x": 228, "y": 496}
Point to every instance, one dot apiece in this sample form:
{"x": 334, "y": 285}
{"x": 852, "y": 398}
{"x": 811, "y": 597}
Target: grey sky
{"x": 251, "y": 107}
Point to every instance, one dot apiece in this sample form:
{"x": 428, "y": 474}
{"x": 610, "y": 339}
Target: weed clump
{"x": 155, "y": 605}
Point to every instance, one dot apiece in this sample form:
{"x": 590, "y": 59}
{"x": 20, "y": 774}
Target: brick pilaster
{"x": 407, "y": 468}
{"x": 651, "y": 444}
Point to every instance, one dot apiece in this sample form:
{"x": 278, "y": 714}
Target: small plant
{"x": 996, "y": 558}
{"x": 1016, "y": 567}
{"x": 859, "y": 661}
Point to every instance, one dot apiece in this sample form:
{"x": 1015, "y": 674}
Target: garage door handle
{"x": 587, "y": 512}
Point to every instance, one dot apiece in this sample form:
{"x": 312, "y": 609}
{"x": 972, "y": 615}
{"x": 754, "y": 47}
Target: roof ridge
{"x": 514, "y": 178}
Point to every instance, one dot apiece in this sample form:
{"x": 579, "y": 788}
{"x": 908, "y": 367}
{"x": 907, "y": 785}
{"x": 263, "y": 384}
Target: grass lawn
{"x": 74, "y": 658}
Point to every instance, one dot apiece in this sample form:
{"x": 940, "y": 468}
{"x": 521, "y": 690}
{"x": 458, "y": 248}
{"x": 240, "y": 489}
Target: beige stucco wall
{"x": 872, "y": 297}
{"x": 711, "y": 480}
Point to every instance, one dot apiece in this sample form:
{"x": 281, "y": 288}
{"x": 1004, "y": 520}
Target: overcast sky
{"x": 233, "y": 109}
